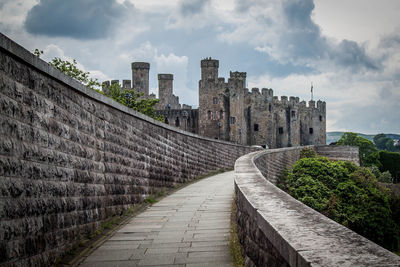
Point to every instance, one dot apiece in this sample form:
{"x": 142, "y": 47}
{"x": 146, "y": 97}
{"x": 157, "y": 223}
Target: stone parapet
{"x": 350, "y": 153}
{"x": 277, "y": 230}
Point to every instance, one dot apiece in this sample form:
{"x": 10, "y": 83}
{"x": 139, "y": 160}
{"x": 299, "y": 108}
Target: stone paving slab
{"x": 188, "y": 228}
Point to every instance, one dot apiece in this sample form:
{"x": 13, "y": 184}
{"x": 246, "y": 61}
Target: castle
{"x": 229, "y": 111}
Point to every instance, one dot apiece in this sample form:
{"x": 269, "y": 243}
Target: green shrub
{"x": 348, "y": 194}
{"x": 385, "y": 177}
{"x": 282, "y": 180}
{"x": 375, "y": 170}
{"x": 308, "y": 153}
{"x": 311, "y": 192}
{"x": 328, "y": 172}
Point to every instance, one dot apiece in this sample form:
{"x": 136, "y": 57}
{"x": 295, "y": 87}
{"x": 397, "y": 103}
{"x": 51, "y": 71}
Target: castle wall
{"x": 184, "y": 119}
{"x": 278, "y": 121}
{"x": 70, "y": 158}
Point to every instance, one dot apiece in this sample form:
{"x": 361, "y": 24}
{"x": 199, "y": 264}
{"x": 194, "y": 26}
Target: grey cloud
{"x": 300, "y": 40}
{"x": 390, "y": 41}
{"x": 191, "y": 7}
{"x": 90, "y": 19}
{"x": 298, "y": 14}
{"x": 244, "y": 6}
{"x": 306, "y": 40}
{"x": 349, "y": 53}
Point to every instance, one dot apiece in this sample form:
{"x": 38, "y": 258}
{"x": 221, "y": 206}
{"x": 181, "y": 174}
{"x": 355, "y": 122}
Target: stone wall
{"x": 184, "y": 119}
{"x": 350, "y": 153}
{"x": 70, "y": 158}
{"x": 277, "y": 230}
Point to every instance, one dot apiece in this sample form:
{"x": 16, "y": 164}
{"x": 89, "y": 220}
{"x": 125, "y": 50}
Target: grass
{"x": 150, "y": 199}
{"x": 234, "y": 244}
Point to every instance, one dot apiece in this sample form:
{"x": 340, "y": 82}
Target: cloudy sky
{"x": 349, "y": 49}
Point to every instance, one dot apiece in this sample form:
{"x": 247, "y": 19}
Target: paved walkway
{"x": 188, "y": 228}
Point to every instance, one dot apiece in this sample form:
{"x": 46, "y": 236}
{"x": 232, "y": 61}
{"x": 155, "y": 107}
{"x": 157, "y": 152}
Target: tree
{"x": 377, "y": 138}
{"x": 129, "y": 98}
{"x": 71, "y": 69}
{"x": 383, "y": 142}
{"x": 368, "y": 152}
{"x": 390, "y": 161}
{"x": 134, "y": 100}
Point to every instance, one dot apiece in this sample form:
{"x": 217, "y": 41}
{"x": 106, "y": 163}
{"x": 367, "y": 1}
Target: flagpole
{"x": 312, "y": 92}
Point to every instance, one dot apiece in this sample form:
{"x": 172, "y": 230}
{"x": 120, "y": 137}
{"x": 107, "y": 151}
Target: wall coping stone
{"x": 303, "y": 236}
{"x": 19, "y": 52}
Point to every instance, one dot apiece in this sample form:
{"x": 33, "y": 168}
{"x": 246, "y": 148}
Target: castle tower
{"x": 239, "y": 113}
{"x": 209, "y": 69}
{"x": 165, "y": 93}
{"x": 213, "y": 102}
{"x": 165, "y": 88}
{"x": 140, "y": 77}
{"x": 313, "y": 123}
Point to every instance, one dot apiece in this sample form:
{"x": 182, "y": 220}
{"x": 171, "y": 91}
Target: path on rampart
{"x": 188, "y": 228}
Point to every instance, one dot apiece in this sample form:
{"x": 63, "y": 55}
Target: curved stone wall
{"x": 70, "y": 158}
{"x": 277, "y": 230}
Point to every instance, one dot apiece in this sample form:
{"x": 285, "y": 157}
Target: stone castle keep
{"x": 230, "y": 112}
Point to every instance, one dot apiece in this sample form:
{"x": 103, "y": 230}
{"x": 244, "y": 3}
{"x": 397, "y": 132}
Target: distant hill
{"x": 335, "y": 136}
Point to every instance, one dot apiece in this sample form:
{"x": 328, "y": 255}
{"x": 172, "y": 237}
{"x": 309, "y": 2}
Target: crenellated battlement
{"x": 267, "y": 96}
{"x": 237, "y": 75}
{"x": 267, "y": 92}
{"x": 255, "y": 91}
{"x": 105, "y": 84}
{"x": 164, "y": 76}
{"x": 208, "y": 62}
{"x": 126, "y": 84}
{"x": 140, "y": 65}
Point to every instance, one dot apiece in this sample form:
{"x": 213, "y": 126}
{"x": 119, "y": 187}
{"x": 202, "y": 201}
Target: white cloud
{"x": 145, "y": 52}
{"x": 13, "y": 13}
{"x": 177, "y": 65}
{"x": 100, "y": 76}
{"x": 170, "y": 62}
{"x": 52, "y": 50}
{"x": 358, "y": 20}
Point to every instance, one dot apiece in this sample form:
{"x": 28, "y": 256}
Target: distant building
{"x": 229, "y": 111}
